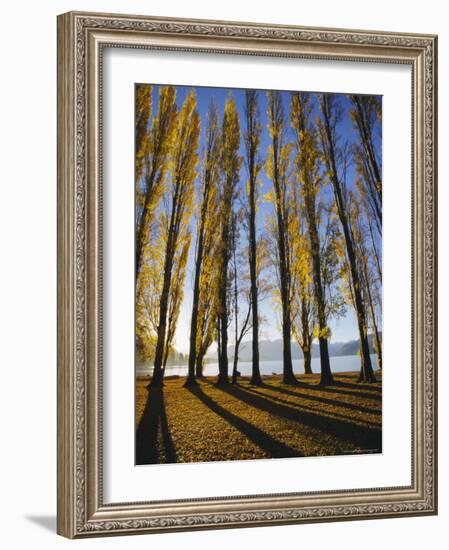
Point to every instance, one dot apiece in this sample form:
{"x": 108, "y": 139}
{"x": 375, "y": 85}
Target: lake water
{"x": 346, "y": 363}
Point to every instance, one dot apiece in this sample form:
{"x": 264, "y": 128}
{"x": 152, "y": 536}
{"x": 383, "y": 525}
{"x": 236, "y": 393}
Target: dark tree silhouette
{"x": 328, "y": 124}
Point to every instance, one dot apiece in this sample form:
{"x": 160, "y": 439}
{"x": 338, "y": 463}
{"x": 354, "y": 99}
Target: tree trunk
{"x": 144, "y": 222}
{"x": 375, "y": 253}
{"x": 366, "y": 371}
{"x": 234, "y": 367}
{"x": 218, "y": 342}
{"x": 288, "y": 375}
{"x": 326, "y": 373}
{"x": 307, "y": 338}
{"x": 368, "y": 147}
{"x": 196, "y": 295}
{"x": 236, "y": 309}
{"x": 307, "y": 354}
{"x": 276, "y": 126}
{"x": 223, "y": 376}
{"x": 256, "y": 378}
{"x": 165, "y": 359}
{"x": 200, "y": 365}
{"x": 158, "y": 372}
{"x": 373, "y": 319}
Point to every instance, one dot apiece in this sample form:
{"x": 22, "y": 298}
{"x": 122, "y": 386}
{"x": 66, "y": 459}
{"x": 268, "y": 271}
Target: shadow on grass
{"x": 152, "y": 428}
{"x": 362, "y": 437}
{"x": 264, "y": 441}
{"x": 354, "y": 390}
{"x": 375, "y": 387}
{"x": 375, "y": 395}
{"x": 333, "y": 402}
{"x": 302, "y": 406}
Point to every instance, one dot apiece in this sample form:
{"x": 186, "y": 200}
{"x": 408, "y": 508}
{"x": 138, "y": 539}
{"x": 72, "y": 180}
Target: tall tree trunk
{"x": 210, "y": 161}
{"x": 230, "y": 170}
{"x": 223, "y": 376}
{"x": 288, "y": 376}
{"x": 234, "y": 367}
{"x": 184, "y": 157}
{"x": 165, "y": 358}
{"x": 373, "y": 242}
{"x": 307, "y": 338}
{"x": 200, "y": 364}
{"x": 373, "y": 317}
{"x": 309, "y": 178}
{"x": 307, "y": 355}
{"x": 158, "y": 372}
{"x": 366, "y": 371}
{"x": 278, "y": 166}
{"x": 252, "y": 141}
{"x": 196, "y": 295}
{"x": 236, "y": 309}
{"x": 256, "y": 378}
{"x": 326, "y": 373}
{"x": 218, "y": 342}
{"x": 144, "y": 224}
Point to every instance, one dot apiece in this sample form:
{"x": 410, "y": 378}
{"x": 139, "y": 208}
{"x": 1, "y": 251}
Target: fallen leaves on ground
{"x": 237, "y": 422}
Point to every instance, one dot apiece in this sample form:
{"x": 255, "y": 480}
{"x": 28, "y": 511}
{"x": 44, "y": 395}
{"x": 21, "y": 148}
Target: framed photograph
{"x": 246, "y": 274}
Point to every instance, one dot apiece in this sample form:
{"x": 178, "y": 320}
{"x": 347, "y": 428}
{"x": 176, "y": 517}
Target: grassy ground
{"x": 209, "y": 423}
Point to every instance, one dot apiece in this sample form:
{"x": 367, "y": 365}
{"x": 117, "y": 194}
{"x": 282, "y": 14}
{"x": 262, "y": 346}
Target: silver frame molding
{"x": 81, "y": 38}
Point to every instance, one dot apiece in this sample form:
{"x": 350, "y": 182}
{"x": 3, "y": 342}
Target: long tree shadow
{"x": 267, "y": 443}
{"x": 329, "y": 413}
{"x": 374, "y": 393}
{"x": 357, "y": 385}
{"x": 361, "y": 437}
{"x": 152, "y": 424}
{"x": 332, "y": 402}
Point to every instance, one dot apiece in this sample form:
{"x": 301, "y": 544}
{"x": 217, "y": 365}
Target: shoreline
{"x": 301, "y": 377}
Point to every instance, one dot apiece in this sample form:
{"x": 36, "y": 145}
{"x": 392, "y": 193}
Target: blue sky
{"x": 343, "y": 329}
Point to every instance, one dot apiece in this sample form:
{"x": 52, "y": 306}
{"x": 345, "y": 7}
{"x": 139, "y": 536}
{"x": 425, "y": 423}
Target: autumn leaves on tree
{"x": 314, "y": 251}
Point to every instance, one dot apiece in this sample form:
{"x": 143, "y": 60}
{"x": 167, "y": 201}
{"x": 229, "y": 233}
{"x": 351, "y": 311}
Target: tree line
{"x": 316, "y": 253}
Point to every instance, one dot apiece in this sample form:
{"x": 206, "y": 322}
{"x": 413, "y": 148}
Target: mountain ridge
{"x": 271, "y": 350}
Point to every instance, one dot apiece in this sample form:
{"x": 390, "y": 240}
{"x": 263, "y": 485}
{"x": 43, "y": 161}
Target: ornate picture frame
{"x": 82, "y": 38}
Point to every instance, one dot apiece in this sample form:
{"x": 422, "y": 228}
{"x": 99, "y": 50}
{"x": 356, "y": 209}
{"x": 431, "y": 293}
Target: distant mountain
{"x": 271, "y": 350}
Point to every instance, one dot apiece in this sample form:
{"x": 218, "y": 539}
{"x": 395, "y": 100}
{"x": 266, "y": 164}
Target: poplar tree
{"x": 277, "y": 168}
{"x": 144, "y": 96}
{"x": 241, "y": 294}
{"x": 176, "y": 294}
{"x": 365, "y": 115}
{"x": 153, "y": 145}
{"x": 303, "y": 310}
{"x": 230, "y": 174}
{"x": 332, "y": 156}
{"x": 368, "y": 273}
{"x": 308, "y": 175}
{"x": 254, "y": 165}
{"x": 207, "y": 211}
{"x": 208, "y": 303}
{"x": 179, "y": 202}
